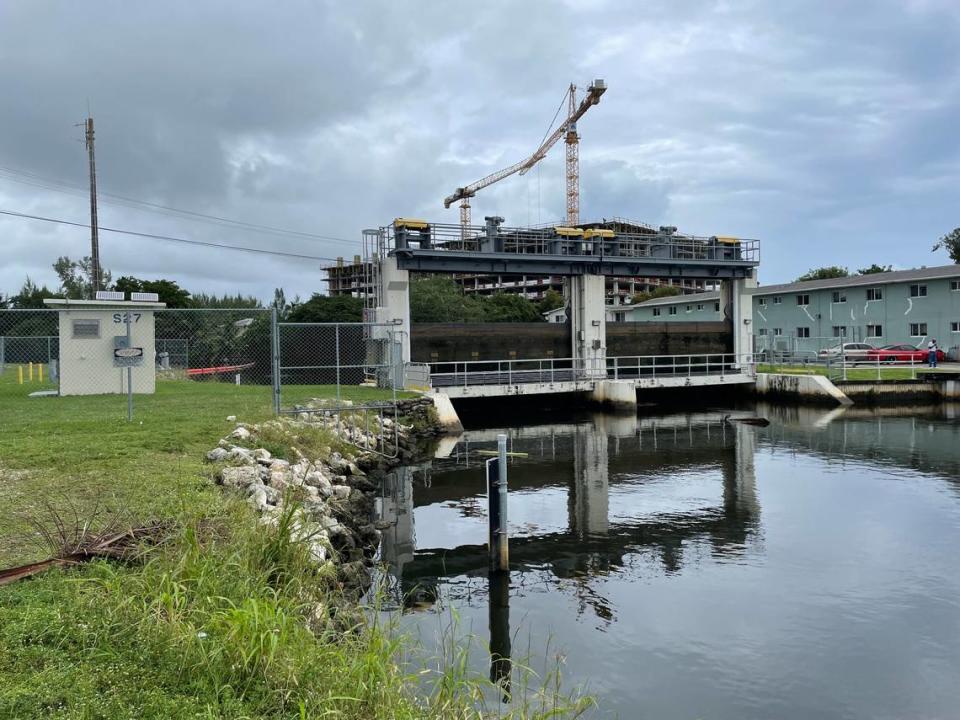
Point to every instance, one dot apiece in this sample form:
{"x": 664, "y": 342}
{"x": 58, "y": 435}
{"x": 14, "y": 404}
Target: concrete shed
{"x": 94, "y": 352}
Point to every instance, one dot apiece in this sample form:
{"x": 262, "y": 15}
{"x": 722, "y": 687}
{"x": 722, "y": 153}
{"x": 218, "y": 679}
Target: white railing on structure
{"x": 875, "y": 368}
{"x": 556, "y": 370}
{"x": 658, "y": 366}
{"x": 511, "y": 372}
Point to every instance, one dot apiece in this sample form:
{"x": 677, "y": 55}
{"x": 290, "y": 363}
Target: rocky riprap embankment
{"x": 333, "y": 495}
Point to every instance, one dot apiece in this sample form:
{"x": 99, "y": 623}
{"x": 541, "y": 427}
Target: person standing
{"x": 932, "y": 352}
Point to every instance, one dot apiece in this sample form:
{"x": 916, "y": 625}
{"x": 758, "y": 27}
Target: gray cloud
{"x": 827, "y": 131}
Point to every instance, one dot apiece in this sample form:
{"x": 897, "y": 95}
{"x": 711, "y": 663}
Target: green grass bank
{"x": 225, "y": 619}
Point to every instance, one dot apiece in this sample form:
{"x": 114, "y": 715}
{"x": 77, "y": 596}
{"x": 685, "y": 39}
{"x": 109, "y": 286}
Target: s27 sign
{"x": 121, "y": 317}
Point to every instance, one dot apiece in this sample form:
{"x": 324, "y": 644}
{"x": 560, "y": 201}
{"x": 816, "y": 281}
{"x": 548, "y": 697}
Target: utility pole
{"x": 94, "y": 239}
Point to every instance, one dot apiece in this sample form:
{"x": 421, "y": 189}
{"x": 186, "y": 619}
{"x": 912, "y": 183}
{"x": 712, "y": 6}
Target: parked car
{"x": 903, "y": 353}
{"x": 849, "y": 351}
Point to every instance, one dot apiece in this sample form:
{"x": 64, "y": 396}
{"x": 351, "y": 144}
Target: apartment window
{"x": 762, "y": 302}
{"x": 918, "y": 291}
{"x": 673, "y": 309}
{"x": 656, "y": 312}
{"x": 839, "y": 331}
{"x": 778, "y": 332}
{"x": 874, "y": 294}
{"x": 839, "y": 296}
{"x": 803, "y": 332}
{"x": 955, "y": 285}
{"x": 86, "y": 329}
{"x": 619, "y": 316}
{"x": 762, "y": 331}
{"x": 777, "y": 300}
{"x": 955, "y": 327}
{"x": 803, "y": 300}
{"x": 874, "y": 331}
{"x": 689, "y": 308}
{"x": 716, "y": 307}
{"x": 699, "y": 306}
{"x": 918, "y": 329}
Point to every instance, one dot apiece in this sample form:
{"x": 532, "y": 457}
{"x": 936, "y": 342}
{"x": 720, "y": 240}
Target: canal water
{"x": 683, "y": 566}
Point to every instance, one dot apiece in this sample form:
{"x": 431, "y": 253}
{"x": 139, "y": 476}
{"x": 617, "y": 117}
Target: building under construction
{"x": 356, "y": 279}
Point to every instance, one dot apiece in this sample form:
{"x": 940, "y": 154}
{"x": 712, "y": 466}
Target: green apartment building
{"x": 904, "y": 306}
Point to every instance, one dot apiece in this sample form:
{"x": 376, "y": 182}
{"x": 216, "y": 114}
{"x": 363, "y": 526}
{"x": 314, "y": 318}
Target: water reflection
{"x": 587, "y": 499}
{"x": 639, "y": 547}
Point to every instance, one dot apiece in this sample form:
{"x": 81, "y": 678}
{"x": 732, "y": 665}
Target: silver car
{"x": 849, "y": 351}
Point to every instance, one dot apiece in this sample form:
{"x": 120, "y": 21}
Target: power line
{"x": 169, "y": 238}
{"x": 28, "y": 178}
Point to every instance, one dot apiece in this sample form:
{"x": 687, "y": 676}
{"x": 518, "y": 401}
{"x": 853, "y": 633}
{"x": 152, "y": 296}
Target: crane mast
{"x": 567, "y": 130}
{"x": 573, "y": 163}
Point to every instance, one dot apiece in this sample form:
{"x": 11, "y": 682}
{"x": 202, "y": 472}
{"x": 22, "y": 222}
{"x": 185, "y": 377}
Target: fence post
{"x": 130, "y": 375}
{"x": 336, "y": 342}
{"x": 275, "y": 358}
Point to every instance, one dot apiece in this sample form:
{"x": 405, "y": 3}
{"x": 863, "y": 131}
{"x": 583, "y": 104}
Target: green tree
{"x": 551, "y": 301}
{"x": 439, "y": 299}
{"x": 951, "y": 243}
{"x": 30, "y": 296}
{"x": 658, "y": 292}
{"x": 824, "y": 273}
{"x": 168, "y": 291}
{"x": 76, "y": 277}
{"x": 874, "y": 269}
{"x": 664, "y": 291}
{"x": 324, "y": 308}
{"x": 508, "y": 307}
{"x": 204, "y": 300}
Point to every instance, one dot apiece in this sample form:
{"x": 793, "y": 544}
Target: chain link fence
{"x": 345, "y": 375}
{"x": 176, "y": 356}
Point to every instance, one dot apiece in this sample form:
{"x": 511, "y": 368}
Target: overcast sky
{"x": 827, "y": 130}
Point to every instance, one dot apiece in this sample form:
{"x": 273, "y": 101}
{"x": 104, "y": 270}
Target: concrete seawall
{"x": 815, "y": 389}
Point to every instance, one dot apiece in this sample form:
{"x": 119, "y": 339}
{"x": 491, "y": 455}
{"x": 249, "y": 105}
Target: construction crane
{"x": 568, "y": 130}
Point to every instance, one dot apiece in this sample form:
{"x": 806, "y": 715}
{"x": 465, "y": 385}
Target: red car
{"x": 902, "y": 353}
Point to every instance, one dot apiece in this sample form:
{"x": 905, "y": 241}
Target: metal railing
{"x": 658, "y": 366}
{"x": 512, "y": 372}
{"x": 874, "y": 368}
{"x": 553, "y": 370}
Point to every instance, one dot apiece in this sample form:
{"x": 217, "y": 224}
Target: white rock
{"x": 258, "y": 499}
{"x": 231, "y": 418}
{"x": 318, "y": 551}
{"x": 340, "y": 492}
{"x": 279, "y": 464}
{"x": 239, "y": 454}
{"x": 217, "y": 455}
{"x": 262, "y": 456}
{"x": 241, "y": 433}
{"x": 239, "y": 477}
{"x": 272, "y": 494}
{"x": 279, "y": 479}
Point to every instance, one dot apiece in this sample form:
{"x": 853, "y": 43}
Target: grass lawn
{"x": 853, "y": 373}
{"x": 211, "y": 624}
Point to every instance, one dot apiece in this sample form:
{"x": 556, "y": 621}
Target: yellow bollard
{"x": 20, "y": 374}
{"x": 30, "y": 371}
{"x": 39, "y": 372}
